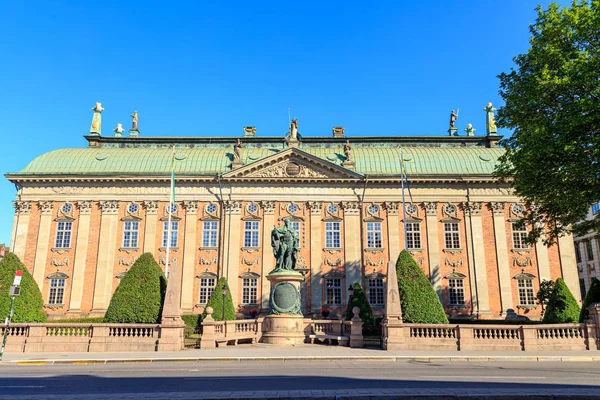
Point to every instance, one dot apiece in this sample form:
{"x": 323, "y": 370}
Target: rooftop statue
{"x": 119, "y": 130}
{"x": 285, "y": 243}
{"x": 97, "y": 119}
{"x": 453, "y": 118}
{"x": 348, "y": 151}
{"x": 134, "y": 125}
{"x": 470, "y": 130}
{"x": 490, "y": 122}
{"x": 294, "y": 130}
{"x": 237, "y": 152}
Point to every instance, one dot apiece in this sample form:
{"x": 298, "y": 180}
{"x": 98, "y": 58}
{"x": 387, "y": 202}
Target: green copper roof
{"x": 472, "y": 160}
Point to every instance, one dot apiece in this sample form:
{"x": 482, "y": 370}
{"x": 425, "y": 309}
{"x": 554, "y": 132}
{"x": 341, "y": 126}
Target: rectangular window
{"x": 251, "y": 233}
{"x": 582, "y": 288}
{"x": 413, "y": 235}
{"x": 526, "y": 297}
{"x": 577, "y": 252}
{"x": 590, "y": 250}
{"x": 456, "y": 290}
{"x": 332, "y": 235}
{"x": 519, "y": 236}
{"x": 376, "y": 291}
{"x": 210, "y": 234}
{"x": 130, "y": 234}
{"x": 374, "y": 235}
{"x": 451, "y": 235}
{"x": 174, "y": 229}
{"x": 207, "y": 285}
{"x": 249, "y": 290}
{"x": 595, "y": 208}
{"x": 57, "y": 291}
{"x": 333, "y": 291}
{"x": 63, "y": 235}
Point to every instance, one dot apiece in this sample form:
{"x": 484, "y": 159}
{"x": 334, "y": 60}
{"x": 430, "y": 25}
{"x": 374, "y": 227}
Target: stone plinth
{"x": 285, "y": 324}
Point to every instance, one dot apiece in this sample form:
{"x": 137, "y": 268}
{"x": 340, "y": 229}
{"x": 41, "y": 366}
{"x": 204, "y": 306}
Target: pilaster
{"x": 21, "y": 227}
{"x": 268, "y": 259}
{"x": 543, "y": 260}
{"x": 150, "y": 225}
{"x": 41, "y": 251}
{"x": 316, "y": 254}
{"x": 106, "y": 254}
{"x": 502, "y": 257}
{"x": 393, "y": 225}
{"x": 433, "y": 247}
{"x": 352, "y": 242}
{"x": 233, "y": 210}
{"x": 568, "y": 264}
{"x": 189, "y": 255}
{"x": 479, "y": 258}
{"x": 81, "y": 249}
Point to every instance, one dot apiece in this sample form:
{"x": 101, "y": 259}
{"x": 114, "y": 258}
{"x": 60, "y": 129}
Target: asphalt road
{"x": 307, "y": 379}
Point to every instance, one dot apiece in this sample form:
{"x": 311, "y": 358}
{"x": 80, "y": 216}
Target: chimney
{"x": 338, "y": 131}
{"x": 249, "y": 131}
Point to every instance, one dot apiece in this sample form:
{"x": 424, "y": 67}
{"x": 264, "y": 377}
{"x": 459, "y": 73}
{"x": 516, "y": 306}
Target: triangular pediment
{"x": 292, "y": 164}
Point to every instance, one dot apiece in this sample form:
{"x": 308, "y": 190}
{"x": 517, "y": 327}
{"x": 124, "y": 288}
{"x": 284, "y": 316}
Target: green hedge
{"x": 420, "y": 303}
{"x": 216, "y": 302}
{"x": 359, "y": 299}
{"x": 562, "y": 307}
{"x": 96, "y": 320}
{"x": 192, "y": 321}
{"x": 592, "y": 296}
{"x": 29, "y": 305}
{"x": 140, "y": 295}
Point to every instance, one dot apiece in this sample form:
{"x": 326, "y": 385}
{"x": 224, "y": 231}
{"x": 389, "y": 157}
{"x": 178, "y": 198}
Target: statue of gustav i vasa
{"x": 285, "y": 243}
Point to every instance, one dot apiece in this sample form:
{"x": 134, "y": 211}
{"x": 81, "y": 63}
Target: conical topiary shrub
{"x": 140, "y": 295}
{"x": 420, "y": 303}
{"x": 592, "y": 296}
{"x": 216, "y": 302}
{"x": 359, "y": 299}
{"x": 562, "y": 307}
{"x": 29, "y": 305}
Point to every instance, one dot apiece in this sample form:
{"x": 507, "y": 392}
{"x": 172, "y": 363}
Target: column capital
{"x": 109, "y": 207}
{"x": 191, "y": 207}
{"x": 268, "y": 206}
{"x": 233, "y": 206}
{"x": 473, "y": 207}
{"x": 430, "y": 208}
{"x": 315, "y": 207}
{"x": 351, "y": 207}
{"x": 392, "y": 207}
{"x": 84, "y": 206}
{"x": 22, "y": 207}
{"x": 46, "y": 206}
{"x": 498, "y": 207}
{"x": 151, "y": 207}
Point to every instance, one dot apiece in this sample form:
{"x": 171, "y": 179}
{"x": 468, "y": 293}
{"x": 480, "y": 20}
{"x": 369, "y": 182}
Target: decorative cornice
{"x": 233, "y": 206}
{"x": 191, "y": 207}
{"x": 431, "y": 207}
{"x": 84, "y": 206}
{"x": 473, "y": 207}
{"x": 268, "y": 206}
{"x": 151, "y": 207}
{"x": 351, "y": 207}
{"x": 109, "y": 207}
{"x": 392, "y": 207}
{"x": 46, "y": 206}
{"x": 316, "y": 207}
{"x": 22, "y": 207}
{"x": 497, "y": 207}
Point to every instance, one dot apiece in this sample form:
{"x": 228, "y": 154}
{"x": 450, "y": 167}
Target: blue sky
{"x": 209, "y": 68}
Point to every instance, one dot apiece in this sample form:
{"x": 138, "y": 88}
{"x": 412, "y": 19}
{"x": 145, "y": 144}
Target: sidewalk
{"x": 263, "y": 352}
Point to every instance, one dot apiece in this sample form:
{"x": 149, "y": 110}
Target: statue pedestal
{"x": 453, "y": 132}
{"x": 285, "y": 324}
{"x": 293, "y": 142}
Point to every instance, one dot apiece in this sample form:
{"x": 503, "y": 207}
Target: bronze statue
{"x": 134, "y": 125}
{"x": 237, "y": 152}
{"x": 453, "y": 118}
{"x": 285, "y": 243}
{"x": 348, "y": 151}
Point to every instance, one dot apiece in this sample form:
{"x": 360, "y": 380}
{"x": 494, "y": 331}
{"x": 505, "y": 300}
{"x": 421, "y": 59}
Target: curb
{"x": 304, "y": 358}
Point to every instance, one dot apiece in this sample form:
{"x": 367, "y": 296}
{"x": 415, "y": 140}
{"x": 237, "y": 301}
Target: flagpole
{"x": 403, "y": 200}
{"x": 170, "y": 210}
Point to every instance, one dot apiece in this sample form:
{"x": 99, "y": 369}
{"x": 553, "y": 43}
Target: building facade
{"x": 587, "y": 254}
{"x": 83, "y": 216}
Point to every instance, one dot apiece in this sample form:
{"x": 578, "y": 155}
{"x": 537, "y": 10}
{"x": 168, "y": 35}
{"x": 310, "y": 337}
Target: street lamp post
{"x": 224, "y": 291}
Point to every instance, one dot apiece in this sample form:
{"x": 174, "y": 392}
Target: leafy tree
{"x": 140, "y": 295}
{"x": 359, "y": 299}
{"x": 553, "y": 106}
{"x": 544, "y": 293}
{"x": 592, "y": 296}
{"x": 562, "y": 307}
{"x": 216, "y": 302}
{"x": 29, "y": 305}
{"x": 420, "y": 303}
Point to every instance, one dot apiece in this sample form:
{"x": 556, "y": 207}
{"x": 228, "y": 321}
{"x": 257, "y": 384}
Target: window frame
{"x": 131, "y": 241}
{"x": 376, "y": 288}
{"x": 210, "y": 234}
{"x": 374, "y": 235}
{"x": 63, "y": 235}
{"x": 519, "y": 236}
{"x": 174, "y": 233}
{"x": 589, "y": 250}
{"x": 57, "y": 291}
{"x": 205, "y": 289}
{"x": 333, "y": 235}
{"x": 333, "y": 291}
{"x": 413, "y": 236}
{"x": 452, "y": 236}
{"x": 456, "y": 290}
{"x": 525, "y": 291}
{"x": 252, "y": 234}
{"x": 578, "y": 258}
{"x": 249, "y": 289}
